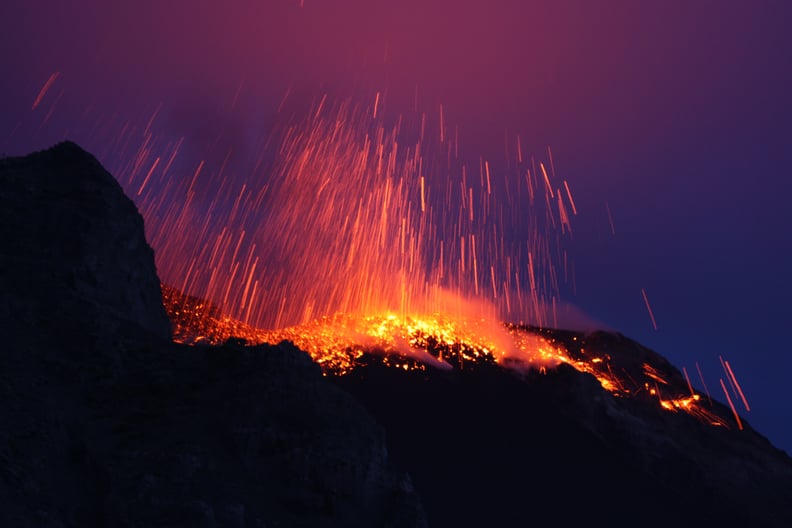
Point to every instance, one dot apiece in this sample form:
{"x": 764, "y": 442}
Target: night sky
{"x": 675, "y": 115}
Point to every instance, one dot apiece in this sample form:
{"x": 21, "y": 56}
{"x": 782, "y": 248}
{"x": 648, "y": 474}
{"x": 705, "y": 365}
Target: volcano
{"x": 615, "y": 429}
{"x": 127, "y": 402}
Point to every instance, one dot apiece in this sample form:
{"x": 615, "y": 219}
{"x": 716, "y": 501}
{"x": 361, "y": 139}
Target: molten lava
{"x": 343, "y": 342}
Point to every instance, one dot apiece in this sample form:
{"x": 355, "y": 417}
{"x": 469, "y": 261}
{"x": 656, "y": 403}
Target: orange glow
{"x": 360, "y": 245}
{"x": 45, "y": 89}
{"x": 342, "y": 342}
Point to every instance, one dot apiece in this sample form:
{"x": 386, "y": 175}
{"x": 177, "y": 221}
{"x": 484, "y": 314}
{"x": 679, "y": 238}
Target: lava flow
{"x": 342, "y": 342}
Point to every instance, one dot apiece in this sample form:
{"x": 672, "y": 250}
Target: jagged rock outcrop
{"x": 74, "y": 249}
{"x": 106, "y": 422}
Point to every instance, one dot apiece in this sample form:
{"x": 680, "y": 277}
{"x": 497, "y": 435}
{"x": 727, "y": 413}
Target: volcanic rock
{"x": 497, "y": 447}
{"x": 106, "y": 422}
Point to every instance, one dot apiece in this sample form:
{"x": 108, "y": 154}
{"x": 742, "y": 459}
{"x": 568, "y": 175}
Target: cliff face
{"x": 73, "y": 248}
{"x": 106, "y": 422}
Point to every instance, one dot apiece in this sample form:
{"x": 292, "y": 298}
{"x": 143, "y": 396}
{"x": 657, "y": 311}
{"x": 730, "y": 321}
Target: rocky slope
{"x": 488, "y": 447}
{"x": 106, "y": 422}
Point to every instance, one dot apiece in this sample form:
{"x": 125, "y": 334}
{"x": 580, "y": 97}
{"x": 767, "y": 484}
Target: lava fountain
{"x": 358, "y": 230}
{"x": 367, "y": 238}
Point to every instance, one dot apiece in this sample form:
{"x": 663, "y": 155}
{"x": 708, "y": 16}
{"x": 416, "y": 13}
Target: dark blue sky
{"x": 676, "y": 114}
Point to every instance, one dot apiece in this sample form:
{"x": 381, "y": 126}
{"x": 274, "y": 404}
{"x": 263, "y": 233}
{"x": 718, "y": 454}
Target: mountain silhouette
{"x": 119, "y": 410}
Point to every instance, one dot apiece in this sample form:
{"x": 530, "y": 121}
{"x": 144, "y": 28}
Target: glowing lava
{"x": 343, "y": 342}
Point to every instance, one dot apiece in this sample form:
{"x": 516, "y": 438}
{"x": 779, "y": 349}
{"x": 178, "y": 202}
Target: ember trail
{"x": 369, "y": 240}
{"x": 359, "y": 217}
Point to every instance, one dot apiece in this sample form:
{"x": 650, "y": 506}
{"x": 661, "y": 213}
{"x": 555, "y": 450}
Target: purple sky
{"x": 675, "y": 113}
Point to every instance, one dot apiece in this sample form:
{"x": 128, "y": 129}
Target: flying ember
{"x": 371, "y": 237}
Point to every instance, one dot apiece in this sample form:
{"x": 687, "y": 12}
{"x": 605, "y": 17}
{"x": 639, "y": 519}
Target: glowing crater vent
{"x": 339, "y": 343}
{"x": 343, "y": 342}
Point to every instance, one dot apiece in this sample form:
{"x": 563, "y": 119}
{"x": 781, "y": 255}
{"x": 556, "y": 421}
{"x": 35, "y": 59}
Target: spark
{"x": 147, "y": 130}
{"x": 547, "y": 180}
{"x": 731, "y": 405}
{"x": 736, "y": 384}
{"x": 519, "y": 150}
{"x": 701, "y": 377}
{"x": 423, "y": 194}
{"x": 654, "y": 374}
{"x": 728, "y": 377}
{"x": 550, "y": 157}
{"x": 571, "y": 201}
{"x": 284, "y": 99}
{"x": 145, "y": 181}
{"x": 44, "y": 89}
{"x": 649, "y": 308}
